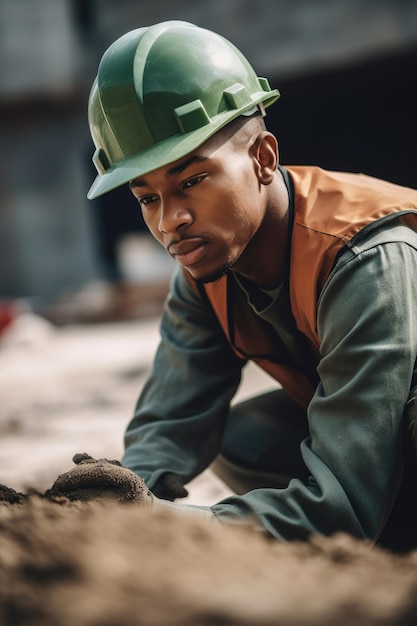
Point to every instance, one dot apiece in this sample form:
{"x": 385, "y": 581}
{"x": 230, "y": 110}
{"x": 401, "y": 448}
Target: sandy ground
{"x": 63, "y": 563}
{"x": 73, "y": 389}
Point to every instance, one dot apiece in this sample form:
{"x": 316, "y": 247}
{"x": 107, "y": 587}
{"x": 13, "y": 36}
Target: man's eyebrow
{"x": 137, "y": 182}
{"x": 177, "y": 169}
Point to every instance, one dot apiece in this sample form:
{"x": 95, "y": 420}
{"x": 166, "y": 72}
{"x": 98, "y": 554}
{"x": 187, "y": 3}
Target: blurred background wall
{"x": 346, "y": 70}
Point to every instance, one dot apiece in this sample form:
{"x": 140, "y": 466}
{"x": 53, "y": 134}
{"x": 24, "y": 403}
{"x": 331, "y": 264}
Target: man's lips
{"x": 188, "y": 251}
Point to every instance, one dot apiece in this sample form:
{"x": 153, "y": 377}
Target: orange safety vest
{"x": 330, "y": 208}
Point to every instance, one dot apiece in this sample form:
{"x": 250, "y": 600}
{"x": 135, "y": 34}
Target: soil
{"x": 113, "y": 563}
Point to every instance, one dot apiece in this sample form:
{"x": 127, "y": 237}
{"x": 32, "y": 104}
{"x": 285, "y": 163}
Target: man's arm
{"x": 368, "y": 337}
{"x": 180, "y": 414}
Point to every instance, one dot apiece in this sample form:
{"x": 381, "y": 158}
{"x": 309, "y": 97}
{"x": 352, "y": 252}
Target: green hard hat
{"x": 160, "y": 92}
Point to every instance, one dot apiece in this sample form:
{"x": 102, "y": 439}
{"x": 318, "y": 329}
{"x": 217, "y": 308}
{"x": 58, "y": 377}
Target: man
{"x": 310, "y": 274}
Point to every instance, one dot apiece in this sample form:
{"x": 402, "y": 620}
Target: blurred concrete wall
{"x": 316, "y": 52}
{"x": 45, "y": 232}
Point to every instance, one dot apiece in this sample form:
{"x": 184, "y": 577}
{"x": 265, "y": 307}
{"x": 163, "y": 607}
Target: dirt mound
{"x": 113, "y": 564}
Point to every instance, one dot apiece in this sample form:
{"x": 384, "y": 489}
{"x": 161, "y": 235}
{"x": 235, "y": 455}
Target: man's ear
{"x": 266, "y": 157}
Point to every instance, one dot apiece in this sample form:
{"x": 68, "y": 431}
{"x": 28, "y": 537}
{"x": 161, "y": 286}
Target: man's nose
{"x": 173, "y": 215}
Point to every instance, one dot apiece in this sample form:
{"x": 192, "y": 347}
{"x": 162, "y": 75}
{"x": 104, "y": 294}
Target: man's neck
{"x": 264, "y": 258}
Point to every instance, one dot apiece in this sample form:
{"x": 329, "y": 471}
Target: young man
{"x": 309, "y": 273}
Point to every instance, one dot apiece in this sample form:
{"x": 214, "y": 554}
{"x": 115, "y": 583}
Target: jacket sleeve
{"x": 368, "y": 333}
{"x": 179, "y": 418}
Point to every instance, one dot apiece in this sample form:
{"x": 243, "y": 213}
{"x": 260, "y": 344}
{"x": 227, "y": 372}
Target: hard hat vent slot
{"x": 101, "y": 161}
{"x": 191, "y": 116}
{"x": 237, "y": 96}
{"x": 264, "y": 84}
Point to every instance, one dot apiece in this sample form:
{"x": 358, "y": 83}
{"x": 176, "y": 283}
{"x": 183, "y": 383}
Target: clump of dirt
{"x": 107, "y": 563}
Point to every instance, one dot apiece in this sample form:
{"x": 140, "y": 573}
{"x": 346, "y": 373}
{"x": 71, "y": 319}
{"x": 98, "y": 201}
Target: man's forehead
{"x": 221, "y": 138}
{"x": 172, "y": 169}
{"x": 200, "y": 154}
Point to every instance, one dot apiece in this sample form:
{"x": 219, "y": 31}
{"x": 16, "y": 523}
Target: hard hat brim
{"x": 165, "y": 152}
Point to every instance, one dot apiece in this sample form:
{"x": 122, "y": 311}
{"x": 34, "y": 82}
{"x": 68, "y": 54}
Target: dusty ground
{"x": 72, "y": 389}
{"x": 117, "y": 565}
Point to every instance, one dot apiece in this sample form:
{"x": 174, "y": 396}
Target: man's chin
{"x": 212, "y": 278}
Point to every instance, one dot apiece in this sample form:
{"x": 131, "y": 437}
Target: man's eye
{"x": 146, "y": 200}
{"x": 193, "y": 181}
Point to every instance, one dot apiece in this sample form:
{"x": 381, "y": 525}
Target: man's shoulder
{"x": 308, "y": 177}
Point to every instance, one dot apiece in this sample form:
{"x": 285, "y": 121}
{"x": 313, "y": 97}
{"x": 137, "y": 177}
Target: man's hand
{"x": 94, "y": 479}
{"x": 169, "y": 487}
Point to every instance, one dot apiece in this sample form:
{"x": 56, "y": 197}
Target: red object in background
{"x": 9, "y": 310}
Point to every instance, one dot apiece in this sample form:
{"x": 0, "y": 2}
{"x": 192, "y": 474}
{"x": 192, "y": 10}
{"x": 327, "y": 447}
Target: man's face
{"x": 204, "y": 209}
